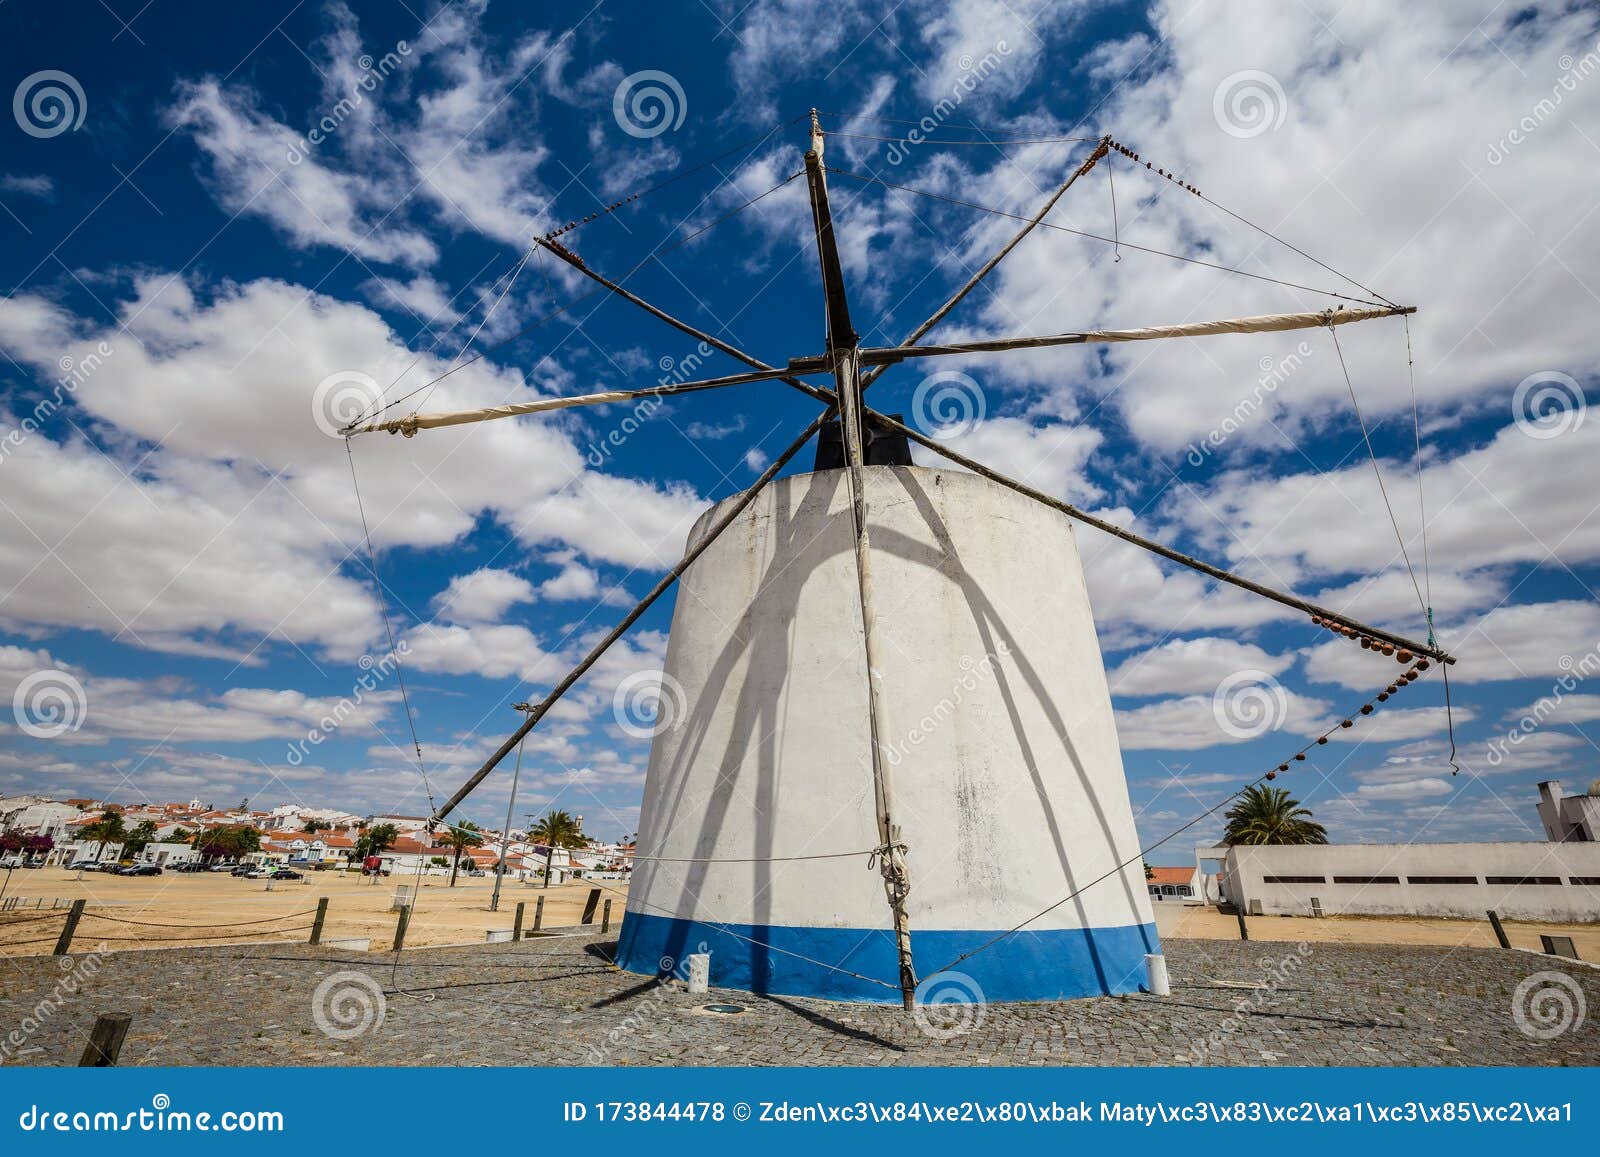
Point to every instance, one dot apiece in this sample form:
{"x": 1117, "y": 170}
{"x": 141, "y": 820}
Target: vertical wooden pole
{"x": 516, "y": 928}
{"x": 317, "y": 921}
{"x": 64, "y": 943}
{"x": 105, "y": 1041}
{"x": 400, "y": 928}
{"x": 1499, "y": 932}
{"x": 1244, "y": 932}
{"x": 605, "y": 919}
{"x": 844, "y": 346}
{"x": 538, "y": 914}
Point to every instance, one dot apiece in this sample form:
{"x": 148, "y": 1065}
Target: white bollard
{"x": 1155, "y": 973}
{"x": 699, "y": 973}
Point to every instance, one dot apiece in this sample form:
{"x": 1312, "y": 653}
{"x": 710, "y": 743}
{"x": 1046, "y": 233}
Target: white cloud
{"x": 482, "y": 596}
{"x": 171, "y": 711}
{"x": 1191, "y": 665}
{"x": 309, "y": 202}
{"x": 1191, "y": 723}
{"x": 1407, "y": 789}
{"x": 235, "y": 477}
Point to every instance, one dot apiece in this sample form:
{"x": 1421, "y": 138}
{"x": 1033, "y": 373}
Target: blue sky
{"x": 221, "y": 226}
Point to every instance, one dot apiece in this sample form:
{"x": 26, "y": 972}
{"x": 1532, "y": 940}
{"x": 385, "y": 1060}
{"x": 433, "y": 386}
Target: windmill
{"x": 1021, "y": 797}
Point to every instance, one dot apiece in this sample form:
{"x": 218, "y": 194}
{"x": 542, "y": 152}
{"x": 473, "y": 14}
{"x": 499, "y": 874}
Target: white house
{"x": 1574, "y": 818}
{"x": 165, "y": 854}
{"x": 1559, "y": 882}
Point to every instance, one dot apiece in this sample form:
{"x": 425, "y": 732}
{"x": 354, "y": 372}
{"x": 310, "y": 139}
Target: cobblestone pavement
{"x": 557, "y": 1001}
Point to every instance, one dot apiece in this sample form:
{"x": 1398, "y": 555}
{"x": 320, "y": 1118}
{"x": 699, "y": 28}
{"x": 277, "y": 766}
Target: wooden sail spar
{"x": 823, "y": 363}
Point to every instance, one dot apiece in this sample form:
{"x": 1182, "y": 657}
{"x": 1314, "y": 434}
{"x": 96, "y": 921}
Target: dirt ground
{"x": 1204, "y": 922}
{"x": 176, "y": 909}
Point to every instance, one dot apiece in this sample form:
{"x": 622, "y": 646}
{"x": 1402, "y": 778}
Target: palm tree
{"x": 1266, "y": 815}
{"x": 556, "y": 830}
{"x": 461, "y": 837}
{"x": 376, "y": 840}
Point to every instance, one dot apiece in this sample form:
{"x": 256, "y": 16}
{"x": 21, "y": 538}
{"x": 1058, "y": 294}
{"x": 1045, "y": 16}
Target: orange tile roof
{"x": 1171, "y": 876}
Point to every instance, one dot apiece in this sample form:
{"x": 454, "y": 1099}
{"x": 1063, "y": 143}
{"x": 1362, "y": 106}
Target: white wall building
{"x": 1574, "y": 818}
{"x": 1558, "y": 882}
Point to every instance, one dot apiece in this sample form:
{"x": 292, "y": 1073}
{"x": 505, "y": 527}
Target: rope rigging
{"x": 1377, "y": 471}
{"x": 1108, "y": 240}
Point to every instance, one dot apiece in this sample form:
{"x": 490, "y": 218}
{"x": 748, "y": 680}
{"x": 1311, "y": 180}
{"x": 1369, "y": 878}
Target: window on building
{"x": 1523, "y": 880}
{"x": 1441, "y": 879}
{"x": 1294, "y": 879}
{"x": 1366, "y": 879}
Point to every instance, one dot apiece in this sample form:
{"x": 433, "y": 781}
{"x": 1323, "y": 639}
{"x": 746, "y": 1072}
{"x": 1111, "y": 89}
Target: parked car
{"x": 189, "y": 866}
{"x": 110, "y": 866}
{"x": 84, "y": 866}
{"x": 244, "y": 869}
{"x": 221, "y": 867}
{"x": 285, "y": 874}
{"x": 139, "y": 870}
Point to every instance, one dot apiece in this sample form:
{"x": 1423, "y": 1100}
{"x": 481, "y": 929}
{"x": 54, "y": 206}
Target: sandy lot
{"x": 1206, "y": 923}
{"x": 204, "y": 908}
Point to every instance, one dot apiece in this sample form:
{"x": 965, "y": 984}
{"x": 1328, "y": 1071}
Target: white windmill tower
{"x": 897, "y": 666}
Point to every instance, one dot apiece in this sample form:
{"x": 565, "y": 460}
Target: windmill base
{"x": 1054, "y": 964}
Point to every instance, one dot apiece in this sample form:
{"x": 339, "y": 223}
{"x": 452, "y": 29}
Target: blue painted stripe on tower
{"x": 1052, "y": 964}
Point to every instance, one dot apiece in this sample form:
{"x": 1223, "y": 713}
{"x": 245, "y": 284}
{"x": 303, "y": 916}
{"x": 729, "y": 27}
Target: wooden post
{"x": 538, "y": 914}
{"x": 64, "y": 944}
{"x": 844, "y": 347}
{"x": 1499, "y": 932}
{"x": 516, "y": 928}
{"x": 105, "y": 1040}
{"x": 1244, "y": 932}
{"x": 316, "y": 923}
{"x": 400, "y": 928}
{"x": 605, "y": 919}
{"x": 590, "y": 905}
